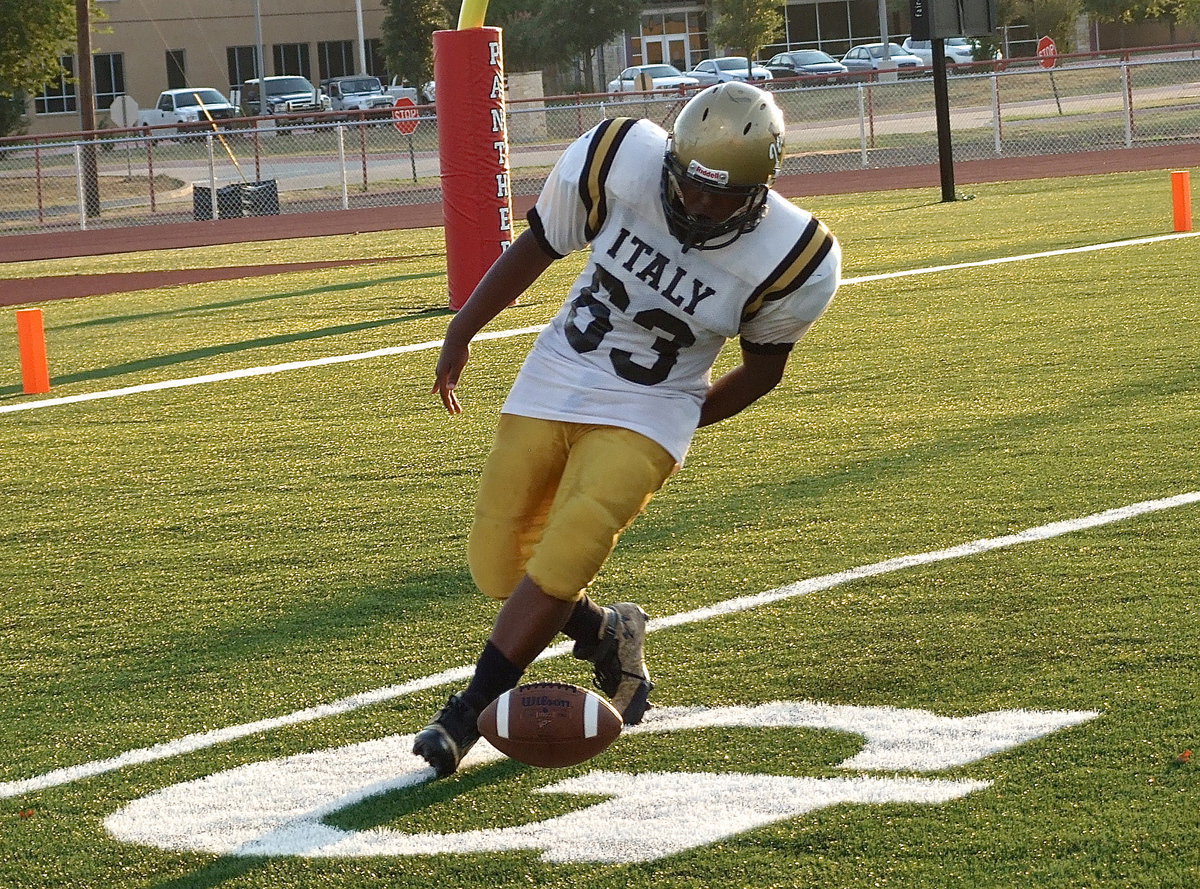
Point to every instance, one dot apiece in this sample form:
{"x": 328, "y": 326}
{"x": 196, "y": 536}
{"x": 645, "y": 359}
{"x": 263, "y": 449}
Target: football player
{"x": 689, "y": 246}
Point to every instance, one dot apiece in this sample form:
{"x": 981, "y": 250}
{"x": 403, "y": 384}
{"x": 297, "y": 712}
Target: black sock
{"x": 584, "y": 623}
{"x": 494, "y": 675}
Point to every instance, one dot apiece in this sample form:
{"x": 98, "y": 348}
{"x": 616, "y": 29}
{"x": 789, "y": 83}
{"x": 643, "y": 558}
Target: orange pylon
{"x": 31, "y": 337}
{"x": 1181, "y": 197}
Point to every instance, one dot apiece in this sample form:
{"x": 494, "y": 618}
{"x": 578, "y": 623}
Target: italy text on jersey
{"x": 644, "y": 322}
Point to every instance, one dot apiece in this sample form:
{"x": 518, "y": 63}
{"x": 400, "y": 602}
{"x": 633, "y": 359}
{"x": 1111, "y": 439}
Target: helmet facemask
{"x": 700, "y": 232}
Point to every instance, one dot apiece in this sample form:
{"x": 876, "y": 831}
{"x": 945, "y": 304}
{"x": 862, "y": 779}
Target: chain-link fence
{"x": 152, "y": 176}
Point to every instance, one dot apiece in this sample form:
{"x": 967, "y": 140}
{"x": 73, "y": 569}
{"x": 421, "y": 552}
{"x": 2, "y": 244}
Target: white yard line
{"x": 1090, "y": 248}
{"x": 502, "y": 334}
{"x": 252, "y": 372}
{"x": 201, "y": 740}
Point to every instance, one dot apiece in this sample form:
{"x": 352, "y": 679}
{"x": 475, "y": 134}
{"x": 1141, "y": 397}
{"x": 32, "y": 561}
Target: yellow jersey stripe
{"x": 600, "y": 156}
{"x": 802, "y": 260}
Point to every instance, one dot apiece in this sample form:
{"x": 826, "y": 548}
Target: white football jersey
{"x": 635, "y": 342}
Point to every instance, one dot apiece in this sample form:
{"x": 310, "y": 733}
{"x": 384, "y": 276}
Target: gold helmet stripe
{"x": 601, "y": 154}
{"x": 802, "y": 260}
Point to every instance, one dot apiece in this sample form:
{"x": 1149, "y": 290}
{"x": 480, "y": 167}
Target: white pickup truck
{"x": 191, "y": 108}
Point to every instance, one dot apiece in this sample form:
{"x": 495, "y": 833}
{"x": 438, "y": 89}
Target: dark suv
{"x": 288, "y": 94}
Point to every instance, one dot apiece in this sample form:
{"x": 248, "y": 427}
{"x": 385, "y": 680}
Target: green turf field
{"x": 187, "y": 560}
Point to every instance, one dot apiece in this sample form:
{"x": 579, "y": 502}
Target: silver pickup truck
{"x": 360, "y": 93}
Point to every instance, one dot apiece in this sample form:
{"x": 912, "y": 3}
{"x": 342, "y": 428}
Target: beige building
{"x": 143, "y": 47}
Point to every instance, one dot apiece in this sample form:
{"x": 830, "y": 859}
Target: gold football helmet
{"x": 727, "y": 140}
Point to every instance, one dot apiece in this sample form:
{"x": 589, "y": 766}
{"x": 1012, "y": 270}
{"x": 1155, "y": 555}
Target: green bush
{"x": 12, "y": 113}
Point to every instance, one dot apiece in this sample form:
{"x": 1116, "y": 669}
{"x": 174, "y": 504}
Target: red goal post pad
{"x": 468, "y": 68}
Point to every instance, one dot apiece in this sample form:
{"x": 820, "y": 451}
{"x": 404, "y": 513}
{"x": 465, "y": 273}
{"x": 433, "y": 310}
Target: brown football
{"x": 550, "y": 724}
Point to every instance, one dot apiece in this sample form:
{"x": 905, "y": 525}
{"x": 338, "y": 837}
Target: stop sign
{"x": 404, "y": 115}
{"x": 124, "y": 111}
{"x": 1047, "y": 51}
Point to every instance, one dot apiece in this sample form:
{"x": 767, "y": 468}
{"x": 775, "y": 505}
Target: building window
{"x": 676, "y": 38}
{"x": 336, "y": 58}
{"x": 176, "y": 69}
{"x": 241, "y": 63}
{"x": 376, "y": 63}
{"x": 62, "y": 95}
{"x": 841, "y": 27}
{"x": 110, "y": 78}
{"x": 59, "y": 96}
{"x": 292, "y": 58}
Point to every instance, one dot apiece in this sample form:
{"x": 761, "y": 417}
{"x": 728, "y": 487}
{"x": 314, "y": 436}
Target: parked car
{"x": 958, "y": 50}
{"x": 864, "y": 59}
{"x": 662, "y": 77}
{"x": 805, "y": 62}
{"x": 285, "y": 94}
{"x": 191, "y": 108}
{"x": 728, "y": 68}
{"x": 362, "y": 93}
{"x": 400, "y": 88}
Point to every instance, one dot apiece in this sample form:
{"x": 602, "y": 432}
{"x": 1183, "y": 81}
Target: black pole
{"x": 941, "y": 107}
{"x": 85, "y": 74}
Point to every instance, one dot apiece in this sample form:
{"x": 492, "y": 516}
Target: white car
{"x": 868, "y": 58}
{"x": 957, "y": 50}
{"x": 729, "y": 68}
{"x": 662, "y": 77}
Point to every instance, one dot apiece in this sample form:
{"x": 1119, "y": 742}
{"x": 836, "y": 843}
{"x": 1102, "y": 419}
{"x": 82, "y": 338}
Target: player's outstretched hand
{"x": 449, "y": 368}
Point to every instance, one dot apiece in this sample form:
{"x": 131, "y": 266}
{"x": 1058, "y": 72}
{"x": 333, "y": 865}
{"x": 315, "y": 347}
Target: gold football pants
{"x": 555, "y": 498}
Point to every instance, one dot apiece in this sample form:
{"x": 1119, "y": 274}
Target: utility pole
{"x": 362, "y": 43}
{"x": 259, "y": 61}
{"x": 86, "y": 99}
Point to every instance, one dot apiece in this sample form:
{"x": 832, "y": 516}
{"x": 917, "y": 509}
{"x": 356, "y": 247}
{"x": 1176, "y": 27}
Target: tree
{"x": 537, "y": 33}
{"x": 12, "y": 113}
{"x": 34, "y": 36}
{"x": 1052, "y": 18}
{"x": 1170, "y": 12}
{"x": 407, "y": 36}
{"x": 744, "y": 25}
{"x": 540, "y": 33}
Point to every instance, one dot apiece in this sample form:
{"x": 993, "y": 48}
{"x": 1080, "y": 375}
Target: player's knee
{"x": 575, "y": 546}
{"x": 565, "y": 585}
{"x": 495, "y": 569}
{"x": 491, "y": 584}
